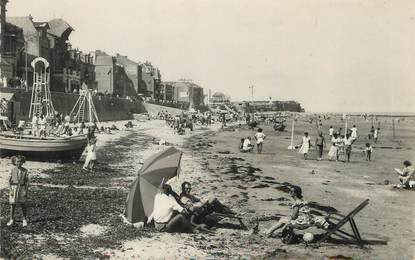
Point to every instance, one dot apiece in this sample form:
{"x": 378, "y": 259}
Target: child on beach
{"x": 259, "y": 137}
{"x": 247, "y": 146}
{"x": 19, "y": 184}
{"x": 91, "y": 156}
{"x": 368, "y": 151}
{"x": 305, "y": 145}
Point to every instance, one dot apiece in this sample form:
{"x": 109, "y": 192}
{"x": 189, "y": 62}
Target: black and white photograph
{"x": 207, "y": 129}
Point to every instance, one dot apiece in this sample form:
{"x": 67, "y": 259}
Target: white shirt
{"x": 331, "y": 131}
{"x": 34, "y": 120}
{"x": 247, "y": 144}
{"x": 164, "y": 205}
{"x": 259, "y": 137}
{"x": 348, "y": 141}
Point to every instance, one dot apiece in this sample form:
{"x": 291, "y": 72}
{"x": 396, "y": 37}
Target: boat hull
{"x": 49, "y": 149}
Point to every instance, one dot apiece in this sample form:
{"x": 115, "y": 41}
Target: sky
{"x": 329, "y": 55}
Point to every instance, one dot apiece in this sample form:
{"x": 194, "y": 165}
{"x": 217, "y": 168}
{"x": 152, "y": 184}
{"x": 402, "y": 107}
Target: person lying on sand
{"x": 200, "y": 210}
{"x": 168, "y": 215}
{"x": 406, "y": 175}
{"x": 301, "y": 216}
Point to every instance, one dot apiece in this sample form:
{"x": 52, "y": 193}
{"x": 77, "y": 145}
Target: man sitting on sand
{"x": 167, "y": 213}
{"x": 199, "y": 209}
{"x": 406, "y": 175}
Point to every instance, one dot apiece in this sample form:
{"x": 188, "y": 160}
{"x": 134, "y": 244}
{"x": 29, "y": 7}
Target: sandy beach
{"x": 73, "y": 214}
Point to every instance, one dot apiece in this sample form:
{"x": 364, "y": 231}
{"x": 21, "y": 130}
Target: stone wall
{"x": 108, "y": 108}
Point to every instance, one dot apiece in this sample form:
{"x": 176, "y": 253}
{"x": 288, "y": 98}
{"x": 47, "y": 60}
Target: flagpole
{"x": 345, "y": 127}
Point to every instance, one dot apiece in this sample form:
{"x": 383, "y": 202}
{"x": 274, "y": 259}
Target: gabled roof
{"x": 25, "y": 23}
{"x": 60, "y": 28}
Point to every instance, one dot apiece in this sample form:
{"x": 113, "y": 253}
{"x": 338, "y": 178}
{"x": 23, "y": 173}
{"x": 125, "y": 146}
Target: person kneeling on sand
{"x": 406, "y": 175}
{"x": 247, "y": 146}
{"x": 301, "y": 216}
{"x": 167, "y": 214}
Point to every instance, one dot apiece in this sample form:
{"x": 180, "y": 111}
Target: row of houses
{"x": 22, "y": 39}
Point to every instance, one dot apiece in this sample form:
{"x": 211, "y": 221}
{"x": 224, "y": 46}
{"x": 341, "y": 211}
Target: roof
{"x": 25, "y": 23}
{"x": 60, "y": 28}
{"x": 7, "y": 96}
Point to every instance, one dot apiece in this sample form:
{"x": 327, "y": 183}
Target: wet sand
{"x": 74, "y": 214}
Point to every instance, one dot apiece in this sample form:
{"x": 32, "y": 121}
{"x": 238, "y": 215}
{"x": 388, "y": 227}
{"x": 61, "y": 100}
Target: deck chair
{"x": 335, "y": 227}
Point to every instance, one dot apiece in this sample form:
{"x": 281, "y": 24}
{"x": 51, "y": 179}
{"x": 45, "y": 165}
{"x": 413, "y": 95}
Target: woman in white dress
{"x": 333, "y": 152}
{"x": 91, "y": 157}
{"x": 354, "y": 132}
{"x": 305, "y": 146}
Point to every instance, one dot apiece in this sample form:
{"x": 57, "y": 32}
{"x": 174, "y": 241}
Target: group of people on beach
{"x": 341, "y": 144}
{"x": 185, "y": 212}
{"x": 246, "y": 146}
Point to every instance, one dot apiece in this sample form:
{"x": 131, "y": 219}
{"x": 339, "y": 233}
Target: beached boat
{"x": 49, "y": 148}
{"x": 43, "y": 148}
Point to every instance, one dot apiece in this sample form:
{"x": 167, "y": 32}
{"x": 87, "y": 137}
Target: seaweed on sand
{"x": 56, "y": 214}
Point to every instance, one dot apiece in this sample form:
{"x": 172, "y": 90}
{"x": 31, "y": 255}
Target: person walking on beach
{"x": 348, "y": 141}
{"x": 91, "y": 156}
{"x": 371, "y": 133}
{"x": 305, "y": 145}
{"x": 331, "y": 131}
{"x": 334, "y": 150}
{"x": 259, "y": 137}
{"x": 376, "y": 134}
{"x": 320, "y": 143}
{"x": 354, "y": 132}
{"x": 19, "y": 184}
{"x": 368, "y": 151}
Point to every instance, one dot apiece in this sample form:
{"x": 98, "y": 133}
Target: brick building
{"x": 36, "y": 44}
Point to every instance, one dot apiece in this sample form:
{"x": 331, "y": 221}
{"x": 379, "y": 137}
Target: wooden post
{"x": 393, "y": 127}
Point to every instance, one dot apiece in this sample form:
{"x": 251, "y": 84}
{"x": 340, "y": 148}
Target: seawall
{"x": 153, "y": 109}
{"x": 108, "y": 108}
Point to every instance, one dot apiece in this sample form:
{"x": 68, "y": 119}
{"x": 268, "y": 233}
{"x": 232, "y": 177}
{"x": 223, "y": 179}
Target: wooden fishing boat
{"x": 43, "y": 148}
{"x": 49, "y": 148}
